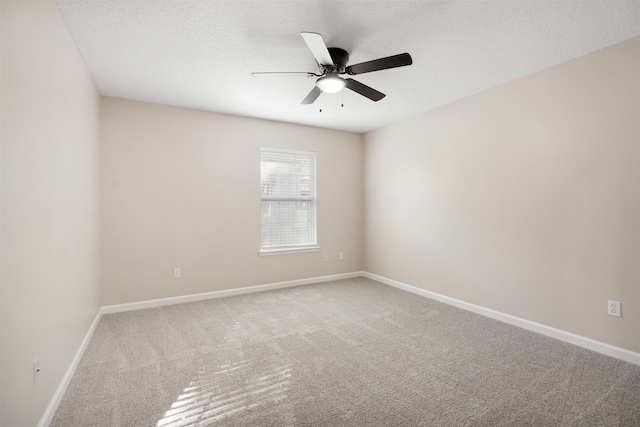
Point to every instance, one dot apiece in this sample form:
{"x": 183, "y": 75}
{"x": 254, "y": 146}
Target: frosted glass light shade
{"x": 331, "y": 84}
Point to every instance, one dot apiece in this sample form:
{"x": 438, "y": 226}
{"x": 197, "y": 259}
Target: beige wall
{"x": 523, "y": 199}
{"x": 50, "y": 220}
{"x": 181, "y": 188}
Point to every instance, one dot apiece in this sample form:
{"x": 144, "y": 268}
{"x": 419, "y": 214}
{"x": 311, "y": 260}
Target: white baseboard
{"x": 46, "y": 418}
{"x": 588, "y": 343}
{"x": 225, "y": 293}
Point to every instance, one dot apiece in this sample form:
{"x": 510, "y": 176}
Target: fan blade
{"x": 364, "y": 90}
{"x": 318, "y": 48}
{"x": 380, "y": 64}
{"x": 313, "y": 95}
{"x": 270, "y": 73}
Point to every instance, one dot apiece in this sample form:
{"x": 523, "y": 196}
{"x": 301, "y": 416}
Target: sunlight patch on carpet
{"x": 206, "y": 399}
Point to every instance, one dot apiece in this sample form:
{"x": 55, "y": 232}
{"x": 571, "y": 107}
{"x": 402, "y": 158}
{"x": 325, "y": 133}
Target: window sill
{"x": 267, "y": 252}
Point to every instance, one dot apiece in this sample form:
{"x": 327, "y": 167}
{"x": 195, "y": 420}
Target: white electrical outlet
{"x": 36, "y": 370}
{"x": 340, "y": 256}
{"x": 177, "y": 273}
{"x": 614, "y": 308}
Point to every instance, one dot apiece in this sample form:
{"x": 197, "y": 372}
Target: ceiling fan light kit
{"x": 331, "y": 83}
{"x": 332, "y": 62}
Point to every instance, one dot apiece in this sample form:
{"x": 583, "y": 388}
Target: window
{"x": 288, "y": 187}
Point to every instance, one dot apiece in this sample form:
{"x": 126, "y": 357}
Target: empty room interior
{"x": 320, "y": 213}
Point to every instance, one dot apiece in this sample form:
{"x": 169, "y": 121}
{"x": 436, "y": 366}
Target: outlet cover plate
{"x": 614, "y": 308}
{"x": 36, "y": 370}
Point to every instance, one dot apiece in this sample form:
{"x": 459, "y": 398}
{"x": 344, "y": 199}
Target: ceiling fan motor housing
{"x": 340, "y": 60}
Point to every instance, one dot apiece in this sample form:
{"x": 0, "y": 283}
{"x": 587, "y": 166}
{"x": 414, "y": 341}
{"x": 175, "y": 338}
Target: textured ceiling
{"x": 200, "y": 53}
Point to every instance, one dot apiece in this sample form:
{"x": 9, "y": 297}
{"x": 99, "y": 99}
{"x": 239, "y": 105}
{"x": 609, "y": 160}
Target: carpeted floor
{"x": 345, "y": 353}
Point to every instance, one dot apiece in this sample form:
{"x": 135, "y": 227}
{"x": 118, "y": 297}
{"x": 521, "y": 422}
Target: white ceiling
{"x": 200, "y": 53}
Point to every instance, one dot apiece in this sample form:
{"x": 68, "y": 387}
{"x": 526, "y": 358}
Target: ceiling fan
{"x": 332, "y": 63}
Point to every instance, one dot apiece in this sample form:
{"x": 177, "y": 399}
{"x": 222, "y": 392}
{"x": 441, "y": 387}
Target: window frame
{"x": 313, "y": 198}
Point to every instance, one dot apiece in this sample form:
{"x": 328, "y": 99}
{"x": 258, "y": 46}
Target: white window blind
{"x": 288, "y": 188}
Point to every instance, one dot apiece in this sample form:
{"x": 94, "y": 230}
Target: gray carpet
{"x": 345, "y": 353}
